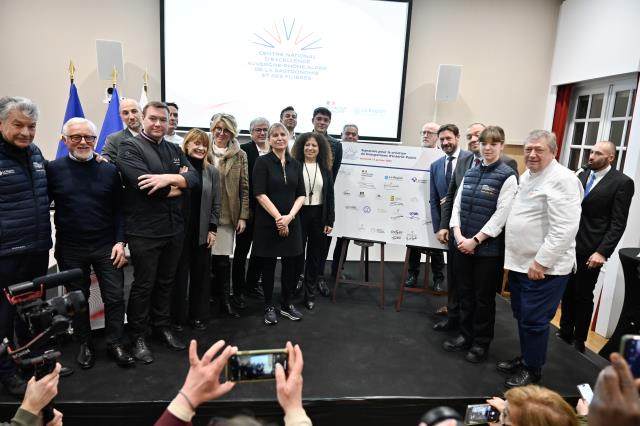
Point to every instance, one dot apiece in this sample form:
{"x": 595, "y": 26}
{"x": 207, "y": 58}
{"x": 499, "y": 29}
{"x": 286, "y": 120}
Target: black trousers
{"x": 437, "y": 263}
{"x": 111, "y": 283}
{"x": 453, "y": 300}
{"x": 577, "y": 301}
{"x": 244, "y": 281}
{"x": 191, "y": 290}
{"x": 324, "y": 254}
{"x": 476, "y": 277}
{"x": 15, "y": 269}
{"x": 313, "y": 238}
{"x": 155, "y": 262}
{"x": 288, "y": 278}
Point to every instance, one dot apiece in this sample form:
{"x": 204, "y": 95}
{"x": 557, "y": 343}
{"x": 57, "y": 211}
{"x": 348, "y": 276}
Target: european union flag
{"x": 74, "y": 109}
{"x": 112, "y": 122}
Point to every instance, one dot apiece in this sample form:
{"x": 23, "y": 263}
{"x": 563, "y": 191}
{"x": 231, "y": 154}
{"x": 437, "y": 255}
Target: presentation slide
{"x": 252, "y": 58}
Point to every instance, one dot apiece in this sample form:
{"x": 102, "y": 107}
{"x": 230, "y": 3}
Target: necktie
{"x": 476, "y": 162}
{"x": 590, "y": 183}
{"x": 449, "y": 170}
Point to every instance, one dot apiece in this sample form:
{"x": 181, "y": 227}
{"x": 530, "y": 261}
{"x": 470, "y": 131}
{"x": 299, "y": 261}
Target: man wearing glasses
{"x": 95, "y": 239}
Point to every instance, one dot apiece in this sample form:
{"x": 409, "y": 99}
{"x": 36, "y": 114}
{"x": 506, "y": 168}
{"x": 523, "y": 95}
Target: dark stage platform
{"x": 363, "y": 365}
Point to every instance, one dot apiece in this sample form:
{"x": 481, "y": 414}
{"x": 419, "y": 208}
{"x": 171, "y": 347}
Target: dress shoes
{"x": 438, "y": 286}
{"x": 579, "y": 346}
{"x": 141, "y": 352}
{"x": 119, "y": 354}
{"x": 510, "y": 366}
{"x": 523, "y": 377}
{"x": 256, "y": 292}
{"x": 198, "y": 325}
{"x": 86, "y": 357}
{"x": 177, "y": 328}
{"x": 443, "y": 311}
{"x": 457, "y": 344}
{"x": 446, "y": 325}
{"x": 170, "y": 340}
{"x": 66, "y": 371}
{"x": 565, "y": 337}
{"x": 310, "y": 305}
{"x": 411, "y": 280}
{"x": 238, "y": 301}
{"x": 477, "y": 354}
{"x": 227, "y": 309}
{"x": 323, "y": 288}
{"x": 15, "y": 385}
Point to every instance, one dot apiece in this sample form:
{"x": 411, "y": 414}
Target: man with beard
{"x": 131, "y": 116}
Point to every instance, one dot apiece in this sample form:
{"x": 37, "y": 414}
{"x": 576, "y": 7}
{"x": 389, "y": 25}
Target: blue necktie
{"x": 449, "y": 171}
{"x": 590, "y": 183}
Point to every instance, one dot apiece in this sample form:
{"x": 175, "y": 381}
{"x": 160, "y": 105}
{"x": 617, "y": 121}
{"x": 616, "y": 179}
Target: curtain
{"x": 561, "y": 114}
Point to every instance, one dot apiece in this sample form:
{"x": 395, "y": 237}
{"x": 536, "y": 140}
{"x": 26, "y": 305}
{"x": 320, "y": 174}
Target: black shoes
{"x": 579, "y": 346}
{"x": 310, "y": 305}
{"x": 510, "y": 366}
{"x": 172, "y": 341}
{"x": 141, "y": 352}
{"x": 291, "y": 312}
{"x": 565, "y": 337}
{"x": 198, "y": 325}
{"x": 477, "y": 354}
{"x": 457, "y": 344}
{"x": 15, "y": 385}
{"x": 256, "y": 292}
{"x": 227, "y": 309}
{"x": 122, "y": 358}
{"x": 323, "y": 288}
{"x": 446, "y": 325}
{"x": 238, "y": 301}
{"x": 270, "y": 316}
{"x": 438, "y": 286}
{"x": 66, "y": 371}
{"x": 411, "y": 280}
{"x": 177, "y": 328}
{"x": 86, "y": 356}
{"x": 299, "y": 285}
{"x": 523, "y": 377}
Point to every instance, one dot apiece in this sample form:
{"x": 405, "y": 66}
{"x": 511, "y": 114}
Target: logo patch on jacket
{"x": 7, "y": 172}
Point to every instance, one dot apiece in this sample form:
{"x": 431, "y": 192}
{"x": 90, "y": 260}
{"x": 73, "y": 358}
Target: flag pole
{"x": 72, "y": 71}
{"x": 146, "y": 81}
{"x": 114, "y": 76}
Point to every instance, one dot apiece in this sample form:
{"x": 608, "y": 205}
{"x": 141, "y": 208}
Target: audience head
{"x": 429, "y": 135}
{"x": 224, "y": 128}
{"x": 18, "y": 117}
{"x": 449, "y": 136}
{"x": 289, "y": 117}
{"x": 321, "y": 119}
{"x": 173, "y": 117}
{"x": 80, "y": 135}
{"x": 350, "y": 133}
{"x": 258, "y": 128}
{"x": 313, "y": 144}
{"x": 196, "y": 145}
{"x": 278, "y": 136}
{"x": 441, "y": 416}
{"x": 131, "y": 114}
{"x": 155, "y": 119}
{"x": 473, "y": 132}
{"x": 539, "y": 150}
{"x": 602, "y": 155}
{"x": 491, "y": 141}
{"x": 534, "y": 405}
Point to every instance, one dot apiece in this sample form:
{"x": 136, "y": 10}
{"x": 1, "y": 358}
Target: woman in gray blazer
{"x": 201, "y": 212}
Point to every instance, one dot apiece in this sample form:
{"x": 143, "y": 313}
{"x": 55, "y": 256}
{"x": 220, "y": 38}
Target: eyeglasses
{"x": 260, "y": 130}
{"x": 427, "y": 133}
{"x": 78, "y": 138}
{"x": 217, "y": 130}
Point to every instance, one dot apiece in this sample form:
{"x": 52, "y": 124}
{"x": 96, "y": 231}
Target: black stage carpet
{"x": 362, "y": 365}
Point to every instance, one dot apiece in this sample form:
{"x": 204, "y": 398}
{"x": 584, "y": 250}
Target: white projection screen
{"x": 252, "y": 58}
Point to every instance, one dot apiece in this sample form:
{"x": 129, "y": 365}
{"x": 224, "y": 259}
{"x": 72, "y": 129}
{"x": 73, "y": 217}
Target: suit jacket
{"x": 438, "y": 184}
{"x": 251, "y": 150}
{"x": 604, "y": 213}
{"x": 463, "y": 165}
{"x": 110, "y": 148}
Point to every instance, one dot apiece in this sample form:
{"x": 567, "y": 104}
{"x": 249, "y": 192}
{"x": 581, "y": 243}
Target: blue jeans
{"x": 534, "y": 304}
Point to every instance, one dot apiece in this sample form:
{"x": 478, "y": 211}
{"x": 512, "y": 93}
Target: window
{"x": 600, "y": 110}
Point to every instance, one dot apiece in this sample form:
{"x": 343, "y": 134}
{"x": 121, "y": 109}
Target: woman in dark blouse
{"x": 318, "y": 213}
{"x": 279, "y": 188}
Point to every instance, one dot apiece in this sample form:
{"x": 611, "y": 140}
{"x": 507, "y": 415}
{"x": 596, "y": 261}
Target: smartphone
{"x": 255, "y": 366}
{"x": 481, "y": 413}
{"x": 586, "y": 392}
{"x": 630, "y": 350}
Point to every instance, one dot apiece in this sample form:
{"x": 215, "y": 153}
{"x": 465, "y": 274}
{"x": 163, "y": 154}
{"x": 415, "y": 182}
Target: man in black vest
{"x": 153, "y": 171}
{"x": 24, "y": 216}
{"x": 605, "y": 208}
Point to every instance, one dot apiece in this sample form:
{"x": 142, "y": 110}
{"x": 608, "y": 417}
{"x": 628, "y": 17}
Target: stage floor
{"x": 362, "y": 364}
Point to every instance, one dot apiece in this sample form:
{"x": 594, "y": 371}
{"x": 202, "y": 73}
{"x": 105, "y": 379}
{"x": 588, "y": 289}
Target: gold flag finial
{"x": 114, "y": 76}
{"x": 72, "y": 70}
{"x": 146, "y": 80}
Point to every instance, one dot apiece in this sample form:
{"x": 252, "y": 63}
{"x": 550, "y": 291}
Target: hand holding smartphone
{"x": 586, "y": 392}
{"x": 480, "y": 414}
{"x": 255, "y": 366}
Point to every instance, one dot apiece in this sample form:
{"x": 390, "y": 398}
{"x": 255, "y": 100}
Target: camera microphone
{"x": 47, "y": 281}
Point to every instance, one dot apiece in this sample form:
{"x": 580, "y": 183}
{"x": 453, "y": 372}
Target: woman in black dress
{"x": 279, "y": 188}
{"x": 318, "y": 213}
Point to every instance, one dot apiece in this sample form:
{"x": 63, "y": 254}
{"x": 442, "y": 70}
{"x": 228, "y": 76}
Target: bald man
{"x": 131, "y": 116}
{"x": 605, "y": 208}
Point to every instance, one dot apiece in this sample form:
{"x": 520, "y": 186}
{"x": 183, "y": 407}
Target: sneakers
{"x": 291, "y": 312}
{"x": 270, "y": 316}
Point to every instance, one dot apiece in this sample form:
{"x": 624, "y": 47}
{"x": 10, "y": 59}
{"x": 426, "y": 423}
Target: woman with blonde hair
{"x": 201, "y": 207}
{"x": 231, "y": 162}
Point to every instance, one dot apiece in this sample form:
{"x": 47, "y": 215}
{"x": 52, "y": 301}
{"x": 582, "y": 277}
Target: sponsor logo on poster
{"x": 366, "y": 209}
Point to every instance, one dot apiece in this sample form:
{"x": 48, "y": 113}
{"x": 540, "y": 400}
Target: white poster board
{"x": 382, "y": 194}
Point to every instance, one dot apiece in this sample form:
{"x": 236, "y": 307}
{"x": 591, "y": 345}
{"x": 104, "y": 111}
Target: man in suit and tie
{"x": 131, "y": 116}
{"x": 605, "y": 208}
{"x": 442, "y": 172}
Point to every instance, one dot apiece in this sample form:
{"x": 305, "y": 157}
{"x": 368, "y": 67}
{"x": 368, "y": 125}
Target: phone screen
{"x": 249, "y": 366}
{"x": 586, "y": 392}
{"x": 480, "y": 414}
{"x": 631, "y": 352}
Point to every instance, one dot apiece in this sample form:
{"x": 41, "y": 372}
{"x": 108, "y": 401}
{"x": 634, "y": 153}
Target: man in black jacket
{"x": 154, "y": 172}
{"x": 605, "y": 208}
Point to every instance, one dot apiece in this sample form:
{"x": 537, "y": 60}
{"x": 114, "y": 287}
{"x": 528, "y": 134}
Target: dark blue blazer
{"x": 439, "y": 187}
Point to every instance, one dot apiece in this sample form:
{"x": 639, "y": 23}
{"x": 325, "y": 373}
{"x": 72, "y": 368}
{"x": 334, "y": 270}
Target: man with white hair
{"x": 94, "y": 239}
{"x": 131, "y": 116}
{"x": 24, "y": 214}
{"x": 539, "y": 251}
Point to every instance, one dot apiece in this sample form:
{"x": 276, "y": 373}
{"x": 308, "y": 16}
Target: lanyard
{"x": 311, "y": 187}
